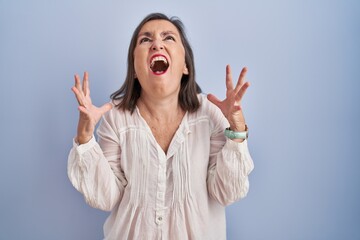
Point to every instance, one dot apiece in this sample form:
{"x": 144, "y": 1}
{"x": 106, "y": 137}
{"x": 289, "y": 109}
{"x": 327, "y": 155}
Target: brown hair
{"x": 130, "y": 91}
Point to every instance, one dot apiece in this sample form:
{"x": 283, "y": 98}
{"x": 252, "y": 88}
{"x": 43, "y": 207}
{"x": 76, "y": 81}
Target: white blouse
{"x": 153, "y": 195}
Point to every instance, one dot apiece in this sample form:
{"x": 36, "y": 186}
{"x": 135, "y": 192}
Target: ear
{"x": 185, "y": 70}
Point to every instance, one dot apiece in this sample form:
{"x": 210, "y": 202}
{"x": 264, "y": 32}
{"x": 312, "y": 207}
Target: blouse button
{"x": 160, "y": 218}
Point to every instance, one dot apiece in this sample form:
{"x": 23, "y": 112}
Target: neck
{"x": 163, "y": 110}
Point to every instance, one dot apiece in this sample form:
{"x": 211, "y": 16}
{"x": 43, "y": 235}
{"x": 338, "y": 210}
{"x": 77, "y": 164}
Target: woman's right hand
{"x": 89, "y": 114}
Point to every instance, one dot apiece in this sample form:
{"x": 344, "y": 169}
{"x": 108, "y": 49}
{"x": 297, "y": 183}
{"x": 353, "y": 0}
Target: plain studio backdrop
{"x": 302, "y": 108}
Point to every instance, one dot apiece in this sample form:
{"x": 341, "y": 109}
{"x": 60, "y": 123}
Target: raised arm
{"x": 230, "y": 164}
{"x": 93, "y": 170}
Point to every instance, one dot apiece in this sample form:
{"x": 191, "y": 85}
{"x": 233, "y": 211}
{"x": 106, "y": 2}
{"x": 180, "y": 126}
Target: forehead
{"x": 158, "y": 26}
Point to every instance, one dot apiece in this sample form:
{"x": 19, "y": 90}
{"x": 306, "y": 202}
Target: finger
{"x": 86, "y": 89}
{"x": 78, "y": 95}
{"x": 241, "y": 79}
{"x": 229, "y": 83}
{"x": 105, "y": 108}
{"x": 77, "y": 82}
{"x": 212, "y": 98}
{"x": 242, "y": 92}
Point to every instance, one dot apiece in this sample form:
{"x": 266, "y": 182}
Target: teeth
{"x": 158, "y": 58}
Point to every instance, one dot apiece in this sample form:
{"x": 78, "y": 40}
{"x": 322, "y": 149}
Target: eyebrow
{"x": 148, "y": 34}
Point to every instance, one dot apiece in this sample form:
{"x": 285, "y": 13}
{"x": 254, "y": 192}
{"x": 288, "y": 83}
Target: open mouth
{"x": 159, "y": 64}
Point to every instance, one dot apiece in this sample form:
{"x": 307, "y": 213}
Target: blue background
{"x": 302, "y": 108}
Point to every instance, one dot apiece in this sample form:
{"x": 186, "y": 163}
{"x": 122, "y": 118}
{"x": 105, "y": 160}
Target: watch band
{"x": 237, "y": 135}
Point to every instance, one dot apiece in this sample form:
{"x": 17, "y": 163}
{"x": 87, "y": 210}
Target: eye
{"x": 169, "y": 38}
{"x": 145, "y": 39}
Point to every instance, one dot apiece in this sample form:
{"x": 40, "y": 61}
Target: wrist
{"x": 238, "y": 128}
{"x": 83, "y": 139}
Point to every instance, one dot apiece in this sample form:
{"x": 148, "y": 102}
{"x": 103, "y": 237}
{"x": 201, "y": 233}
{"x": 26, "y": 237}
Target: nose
{"x": 157, "y": 45}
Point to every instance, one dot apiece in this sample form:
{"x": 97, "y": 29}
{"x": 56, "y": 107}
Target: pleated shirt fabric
{"x": 152, "y": 195}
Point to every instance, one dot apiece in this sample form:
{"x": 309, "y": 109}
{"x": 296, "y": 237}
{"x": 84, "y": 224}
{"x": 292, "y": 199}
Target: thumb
{"x": 105, "y": 108}
{"x": 212, "y": 98}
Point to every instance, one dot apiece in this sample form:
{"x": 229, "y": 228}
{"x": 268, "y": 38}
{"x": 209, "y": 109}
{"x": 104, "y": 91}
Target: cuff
{"x": 236, "y": 146}
{"x": 82, "y": 148}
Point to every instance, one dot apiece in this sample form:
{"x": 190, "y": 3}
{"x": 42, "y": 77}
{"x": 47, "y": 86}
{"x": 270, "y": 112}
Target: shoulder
{"x": 116, "y": 117}
{"x": 208, "y": 112}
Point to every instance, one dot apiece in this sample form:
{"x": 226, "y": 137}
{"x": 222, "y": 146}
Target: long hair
{"x": 130, "y": 91}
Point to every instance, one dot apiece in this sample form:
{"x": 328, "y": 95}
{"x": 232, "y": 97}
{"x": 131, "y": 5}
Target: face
{"x": 159, "y": 59}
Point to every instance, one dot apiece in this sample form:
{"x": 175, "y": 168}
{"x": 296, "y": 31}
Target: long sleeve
{"x": 228, "y": 173}
{"x": 95, "y": 171}
{"x": 229, "y": 166}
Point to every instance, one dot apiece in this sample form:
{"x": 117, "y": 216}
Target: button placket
{"x": 161, "y": 188}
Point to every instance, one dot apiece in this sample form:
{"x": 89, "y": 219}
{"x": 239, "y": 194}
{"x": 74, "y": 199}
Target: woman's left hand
{"x": 231, "y": 105}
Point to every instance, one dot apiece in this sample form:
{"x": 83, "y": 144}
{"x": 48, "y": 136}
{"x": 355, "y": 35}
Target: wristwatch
{"x": 237, "y": 135}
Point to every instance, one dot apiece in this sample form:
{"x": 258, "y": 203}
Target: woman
{"x": 162, "y": 164}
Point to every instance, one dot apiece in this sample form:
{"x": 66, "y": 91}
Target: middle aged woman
{"x": 162, "y": 163}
